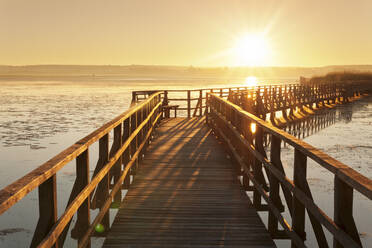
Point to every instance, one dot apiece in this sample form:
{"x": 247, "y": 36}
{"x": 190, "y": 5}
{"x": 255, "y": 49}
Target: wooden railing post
{"x": 105, "y": 183}
{"x": 343, "y": 211}
{"x": 165, "y": 103}
{"x": 47, "y": 210}
{"x": 248, "y": 156}
{"x": 146, "y": 128}
{"x": 140, "y": 133}
{"x": 133, "y": 144}
{"x": 274, "y": 185}
{"x": 82, "y": 180}
{"x": 206, "y": 107}
{"x": 257, "y": 169}
{"x": 299, "y": 176}
{"x": 126, "y": 154}
{"x": 201, "y": 103}
{"x": 116, "y": 170}
{"x": 188, "y": 104}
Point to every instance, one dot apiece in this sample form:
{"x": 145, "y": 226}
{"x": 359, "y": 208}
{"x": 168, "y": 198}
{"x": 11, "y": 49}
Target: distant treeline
{"x": 340, "y": 77}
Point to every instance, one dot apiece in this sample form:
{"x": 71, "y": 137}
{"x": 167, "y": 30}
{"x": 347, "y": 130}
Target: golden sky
{"x": 186, "y": 32}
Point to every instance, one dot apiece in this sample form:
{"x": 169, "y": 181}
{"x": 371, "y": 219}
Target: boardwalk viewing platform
{"x": 183, "y": 181}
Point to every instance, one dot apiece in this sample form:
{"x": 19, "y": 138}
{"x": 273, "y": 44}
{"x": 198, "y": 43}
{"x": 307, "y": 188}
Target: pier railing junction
{"x": 230, "y": 114}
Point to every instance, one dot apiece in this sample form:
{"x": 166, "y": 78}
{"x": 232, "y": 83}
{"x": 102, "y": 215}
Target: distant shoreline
{"x": 171, "y": 73}
{"x": 135, "y": 79}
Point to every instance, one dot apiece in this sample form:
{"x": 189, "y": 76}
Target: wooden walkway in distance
{"x": 185, "y": 194}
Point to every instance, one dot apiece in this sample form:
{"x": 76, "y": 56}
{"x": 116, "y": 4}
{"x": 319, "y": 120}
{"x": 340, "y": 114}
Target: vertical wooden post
{"x": 47, "y": 210}
{"x": 201, "y": 102}
{"x": 83, "y": 213}
{"x": 206, "y": 107}
{"x": 105, "y": 183}
{"x": 126, "y": 154}
{"x": 117, "y": 167}
{"x": 165, "y": 103}
{"x": 134, "y": 98}
{"x": 299, "y": 176}
{"x": 343, "y": 211}
{"x": 136, "y": 140}
{"x": 133, "y": 143}
{"x": 257, "y": 169}
{"x": 165, "y": 100}
{"x": 249, "y": 157}
{"x": 146, "y": 128}
{"x": 274, "y": 185}
{"x": 188, "y": 104}
{"x": 140, "y": 133}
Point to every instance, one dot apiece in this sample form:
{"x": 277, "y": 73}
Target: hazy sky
{"x": 183, "y": 32}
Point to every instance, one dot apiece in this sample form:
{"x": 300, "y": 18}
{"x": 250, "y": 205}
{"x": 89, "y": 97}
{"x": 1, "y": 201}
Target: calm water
{"x": 39, "y": 119}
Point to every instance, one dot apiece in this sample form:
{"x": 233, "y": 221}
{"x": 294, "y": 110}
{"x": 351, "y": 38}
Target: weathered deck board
{"x": 186, "y": 195}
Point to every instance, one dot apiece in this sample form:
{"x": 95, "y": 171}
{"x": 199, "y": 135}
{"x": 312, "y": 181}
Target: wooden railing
{"x": 132, "y": 132}
{"x": 262, "y": 100}
{"x": 233, "y": 125}
{"x": 286, "y": 99}
{"x": 190, "y": 103}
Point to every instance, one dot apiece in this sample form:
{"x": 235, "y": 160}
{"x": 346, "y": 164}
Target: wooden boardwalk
{"x": 185, "y": 194}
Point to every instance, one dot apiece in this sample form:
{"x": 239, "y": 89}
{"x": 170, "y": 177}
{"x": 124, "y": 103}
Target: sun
{"x": 251, "y": 50}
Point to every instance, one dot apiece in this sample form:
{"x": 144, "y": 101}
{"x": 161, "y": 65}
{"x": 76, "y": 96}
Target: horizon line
{"x": 164, "y": 65}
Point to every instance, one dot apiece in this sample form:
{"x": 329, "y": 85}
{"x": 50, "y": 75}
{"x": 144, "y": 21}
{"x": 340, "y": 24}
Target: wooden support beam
{"x": 47, "y": 211}
{"x": 133, "y": 146}
{"x": 126, "y": 155}
{"x": 83, "y": 214}
{"x": 188, "y": 104}
{"x": 201, "y": 103}
{"x": 102, "y": 191}
{"x": 274, "y": 185}
{"x": 299, "y": 175}
{"x": 117, "y": 169}
{"x": 343, "y": 212}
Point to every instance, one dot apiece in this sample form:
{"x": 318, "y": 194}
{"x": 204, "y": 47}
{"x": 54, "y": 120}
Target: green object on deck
{"x": 115, "y": 205}
{"x": 99, "y": 228}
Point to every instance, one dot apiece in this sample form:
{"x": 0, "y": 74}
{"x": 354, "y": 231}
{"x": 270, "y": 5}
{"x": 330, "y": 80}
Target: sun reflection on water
{"x": 253, "y": 127}
{"x": 251, "y": 81}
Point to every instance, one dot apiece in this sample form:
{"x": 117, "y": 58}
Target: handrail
{"x": 347, "y": 174}
{"x": 268, "y": 98}
{"x": 137, "y": 123}
{"x": 231, "y": 123}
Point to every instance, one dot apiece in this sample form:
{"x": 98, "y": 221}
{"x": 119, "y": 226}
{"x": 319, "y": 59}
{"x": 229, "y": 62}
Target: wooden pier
{"x": 187, "y": 178}
{"x": 187, "y": 194}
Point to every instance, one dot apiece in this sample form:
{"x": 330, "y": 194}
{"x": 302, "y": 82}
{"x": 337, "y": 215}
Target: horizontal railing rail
{"x": 234, "y": 126}
{"x": 190, "y": 103}
{"x": 132, "y": 132}
{"x": 263, "y": 99}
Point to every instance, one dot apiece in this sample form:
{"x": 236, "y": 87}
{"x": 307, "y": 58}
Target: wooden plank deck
{"x": 185, "y": 194}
